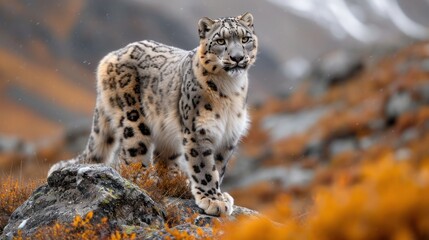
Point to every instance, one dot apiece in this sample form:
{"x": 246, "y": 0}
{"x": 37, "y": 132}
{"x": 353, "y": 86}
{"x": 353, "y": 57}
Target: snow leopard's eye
{"x": 245, "y": 39}
{"x": 220, "y": 41}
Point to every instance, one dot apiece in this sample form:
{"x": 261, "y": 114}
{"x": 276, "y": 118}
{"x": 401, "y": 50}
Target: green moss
{"x": 129, "y": 229}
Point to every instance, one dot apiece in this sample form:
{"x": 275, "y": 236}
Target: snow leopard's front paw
{"x": 216, "y": 205}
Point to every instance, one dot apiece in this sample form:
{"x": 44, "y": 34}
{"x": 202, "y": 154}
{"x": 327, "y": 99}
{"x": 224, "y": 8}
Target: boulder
{"x": 81, "y": 189}
{"x": 284, "y": 125}
{"x": 397, "y": 104}
{"x": 334, "y": 68}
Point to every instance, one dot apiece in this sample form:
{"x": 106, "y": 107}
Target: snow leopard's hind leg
{"x": 120, "y": 87}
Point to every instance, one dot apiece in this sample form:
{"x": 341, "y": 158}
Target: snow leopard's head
{"x": 227, "y": 44}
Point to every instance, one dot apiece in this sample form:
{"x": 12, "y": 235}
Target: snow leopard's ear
{"x": 204, "y": 25}
{"x": 247, "y": 19}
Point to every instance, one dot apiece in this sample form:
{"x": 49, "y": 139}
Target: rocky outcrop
{"x": 80, "y": 189}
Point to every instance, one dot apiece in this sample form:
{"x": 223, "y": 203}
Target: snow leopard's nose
{"x": 237, "y": 57}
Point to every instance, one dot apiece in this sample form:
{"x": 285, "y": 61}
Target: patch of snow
{"x": 22, "y": 225}
{"x": 82, "y": 170}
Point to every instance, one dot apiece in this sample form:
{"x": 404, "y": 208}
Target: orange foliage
{"x": 389, "y": 201}
{"x": 157, "y": 180}
{"x": 80, "y": 228}
{"x": 263, "y": 193}
{"x": 413, "y": 119}
{"x": 419, "y": 148}
{"x": 346, "y": 158}
{"x": 159, "y": 183}
{"x": 291, "y": 147}
{"x": 12, "y": 194}
{"x": 182, "y": 234}
{"x": 350, "y": 121}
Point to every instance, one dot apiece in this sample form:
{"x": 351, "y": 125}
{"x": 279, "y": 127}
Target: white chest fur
{"x": 234, "y": 118}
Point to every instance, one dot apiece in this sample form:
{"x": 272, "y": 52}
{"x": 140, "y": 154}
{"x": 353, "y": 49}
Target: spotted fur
{"x": 187, "y": 107}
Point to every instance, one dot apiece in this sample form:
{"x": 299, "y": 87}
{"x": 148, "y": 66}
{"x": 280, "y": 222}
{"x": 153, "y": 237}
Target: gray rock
{"x": 343, "y": 145}
{"x": 79, "y": 189}
{"x": 244, "y": 166}
{"x": 315, "y": 148}
{"x": 408, "y": 135}
{"x": 287, "y": 176}
{"x": 397, "y": 104}
{"x": 187, "y": 209}
{"x": 334, "y": 68}
{"x": 186, "y": 227}
{"x": 296, "y": 69}
{"x": 403, "y": 154}
{"x": 339, "y": 65}
{"x": 377, "y": 124}
{"x": 285, "y": 125}
{"x": 368, "y": 141}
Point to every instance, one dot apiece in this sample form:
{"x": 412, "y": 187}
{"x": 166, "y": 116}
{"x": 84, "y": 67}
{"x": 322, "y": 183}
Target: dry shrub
{"x": 80, "y": 228}
{"x": 182, "y": 234}
{"x": 12, "y": 194}
{"x": 158, "y": 181}
{"x": 195, "y": 232}
{"x": 177, "y": 216}
{"x": 390, "y": 201}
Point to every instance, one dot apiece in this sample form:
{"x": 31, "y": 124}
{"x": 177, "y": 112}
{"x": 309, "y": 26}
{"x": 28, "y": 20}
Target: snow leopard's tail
{"x": 62, "y": 164}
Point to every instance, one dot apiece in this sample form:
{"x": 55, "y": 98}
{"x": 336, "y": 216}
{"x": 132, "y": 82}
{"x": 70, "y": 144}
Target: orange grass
{"x": 390, "y": 201}
{"x": 80, "y": 228}
{"x": 157, "y": 180}
{"x": 12, "y": 194}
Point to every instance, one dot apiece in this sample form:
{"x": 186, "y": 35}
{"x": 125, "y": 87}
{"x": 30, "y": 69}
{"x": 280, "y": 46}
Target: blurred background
{"x": 336, "y": 82}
